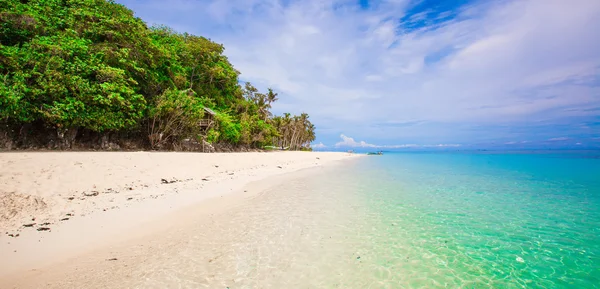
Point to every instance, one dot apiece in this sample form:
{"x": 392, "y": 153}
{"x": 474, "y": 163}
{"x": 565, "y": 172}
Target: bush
{"x": 229, "y": 129}
{"x": 174, "y": 116}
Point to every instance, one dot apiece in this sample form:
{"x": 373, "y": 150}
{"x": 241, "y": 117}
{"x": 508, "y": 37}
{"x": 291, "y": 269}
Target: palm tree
{"x": 263, "y": 106}
{"x": 285, "y": 124}
{"x": 271, "y": 96}
{"x": 310, "y": 135}
{"x": 249, "y": 91}
{"x": 277, "y": 124}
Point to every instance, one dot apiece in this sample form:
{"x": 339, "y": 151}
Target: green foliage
{"x": 90, "y": 64}
{"x": 229, "y": 128}
{"x": 66, "y": 76}
{"x": 212, "y": 136}
{"x": 174, "y": 116}
{"x": 58, "y": 79}
{"x": 16, "y": 28}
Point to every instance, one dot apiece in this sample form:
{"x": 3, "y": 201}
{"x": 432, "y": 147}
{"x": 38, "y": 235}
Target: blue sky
{"x": 414, "y": 74}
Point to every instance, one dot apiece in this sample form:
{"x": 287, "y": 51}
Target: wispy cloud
{"x": 318, "y": 146}
{"x": 559, "y": 139}
{"x": 349, "y": 142}
{"x": 494, "y": 64}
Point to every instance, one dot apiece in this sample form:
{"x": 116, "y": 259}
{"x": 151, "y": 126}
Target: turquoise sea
{"x": 475, "y": 220}
{"x": 402, "y": 220}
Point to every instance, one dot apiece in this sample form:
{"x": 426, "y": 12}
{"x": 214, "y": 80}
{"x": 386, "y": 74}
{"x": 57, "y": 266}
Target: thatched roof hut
{"x": 209, "y": 118}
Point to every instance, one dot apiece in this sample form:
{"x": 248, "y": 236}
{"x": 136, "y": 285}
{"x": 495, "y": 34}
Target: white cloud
{"x": 496, "y": 62}
{"x": 421, "y": 146}
{"x": 318, "y": 146}
{"x": 442, "y": 145}
{"x": 517, "y": 142}
{"x": 350, "y": 142}
{"x": 559, "y": 139}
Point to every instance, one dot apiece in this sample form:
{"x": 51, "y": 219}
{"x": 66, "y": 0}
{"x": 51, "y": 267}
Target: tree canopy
{"x": 90, "y": 65}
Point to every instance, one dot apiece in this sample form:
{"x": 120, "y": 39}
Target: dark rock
{"x": 111, "y": 191}
{"x": 205, "y": 179}
{"x": 129, "y": 199}
{"x": 280, "y": 167}
{"x": 112, "y": 259}
{"x": 92, "y": 194}
{"x": 64, "y": 219}
{"x": 69, "y": 214}
{"x": 70, "y": 198}
{"x": 165, "y": 181}
{"x": 43, "y": 229}
{"x": 29, "y": 225}
{"x": 45, "y": 224}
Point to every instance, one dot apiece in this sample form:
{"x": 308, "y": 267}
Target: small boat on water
{"x": 375, "y": 153}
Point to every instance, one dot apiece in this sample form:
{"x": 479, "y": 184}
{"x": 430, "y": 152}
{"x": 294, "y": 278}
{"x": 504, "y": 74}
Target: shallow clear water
{"x": 403, "y": 220}
{"x": 480, "y": 220}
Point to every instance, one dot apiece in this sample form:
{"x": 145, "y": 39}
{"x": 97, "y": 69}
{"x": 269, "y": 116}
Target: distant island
{"x": 90, "y": 75}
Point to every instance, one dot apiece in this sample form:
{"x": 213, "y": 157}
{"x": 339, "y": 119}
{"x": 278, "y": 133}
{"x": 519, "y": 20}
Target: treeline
{"x": 76, "y": 73}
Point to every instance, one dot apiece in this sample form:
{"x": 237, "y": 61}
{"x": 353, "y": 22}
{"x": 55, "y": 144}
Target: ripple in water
{"x": 402, "y": 221}
{"x": 481, "y": 221}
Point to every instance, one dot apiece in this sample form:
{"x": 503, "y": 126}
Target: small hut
{"x": 208, "y": 120}
{"x": 205, "y": 124}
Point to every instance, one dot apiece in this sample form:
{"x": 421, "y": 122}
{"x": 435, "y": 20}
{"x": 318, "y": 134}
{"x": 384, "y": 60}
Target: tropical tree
{"x": 91, "y": 66}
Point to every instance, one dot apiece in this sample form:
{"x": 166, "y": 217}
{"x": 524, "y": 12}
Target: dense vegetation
{"x": 78, "y": 72}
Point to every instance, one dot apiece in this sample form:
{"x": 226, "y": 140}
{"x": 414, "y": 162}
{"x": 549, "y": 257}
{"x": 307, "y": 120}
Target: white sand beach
{"x": 58, "y": 207}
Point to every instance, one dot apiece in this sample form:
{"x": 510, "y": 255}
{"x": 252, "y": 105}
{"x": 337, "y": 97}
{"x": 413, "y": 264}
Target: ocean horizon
{"x": 466, "y": 149}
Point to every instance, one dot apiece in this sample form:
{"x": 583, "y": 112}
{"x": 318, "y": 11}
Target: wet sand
{"x": 124, "y": 210}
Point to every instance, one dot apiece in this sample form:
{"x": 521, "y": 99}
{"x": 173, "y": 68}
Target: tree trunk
{"x": 292, "y": 141}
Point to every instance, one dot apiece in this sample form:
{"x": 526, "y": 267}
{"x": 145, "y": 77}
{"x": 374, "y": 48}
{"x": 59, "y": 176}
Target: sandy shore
{"x": 58, "y": 206}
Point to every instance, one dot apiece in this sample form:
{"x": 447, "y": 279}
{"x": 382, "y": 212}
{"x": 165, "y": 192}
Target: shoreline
{"x": 142, "y": 211}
